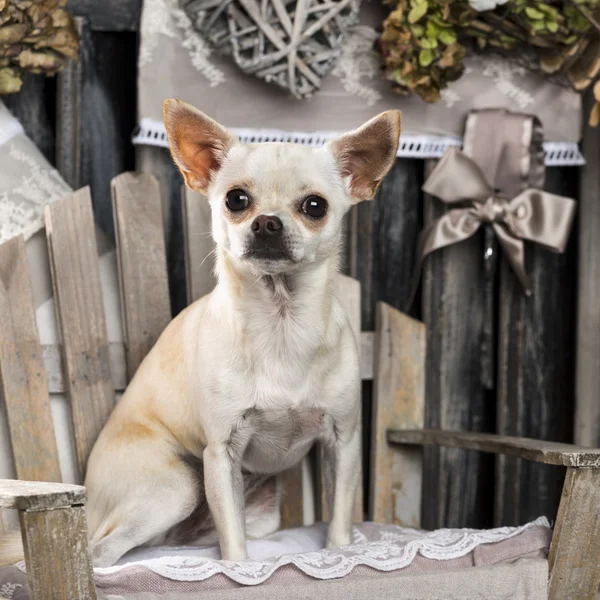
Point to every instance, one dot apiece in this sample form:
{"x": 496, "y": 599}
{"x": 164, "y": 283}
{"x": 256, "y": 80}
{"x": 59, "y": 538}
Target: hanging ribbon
{"x": 533, "y": 214}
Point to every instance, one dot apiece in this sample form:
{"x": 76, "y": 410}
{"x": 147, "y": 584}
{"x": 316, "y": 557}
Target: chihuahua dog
{"x": 242, "y": 383}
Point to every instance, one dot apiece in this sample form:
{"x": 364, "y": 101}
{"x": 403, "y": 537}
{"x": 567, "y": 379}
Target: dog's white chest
{"x": 277, "y": 439}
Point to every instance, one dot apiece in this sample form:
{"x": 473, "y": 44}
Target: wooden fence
{"x": 83, "y": 121}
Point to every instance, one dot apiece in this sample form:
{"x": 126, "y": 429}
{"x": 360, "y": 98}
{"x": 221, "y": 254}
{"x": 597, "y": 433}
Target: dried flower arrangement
{"x": 36, "y": 36}
{"x": 424, "y": 42}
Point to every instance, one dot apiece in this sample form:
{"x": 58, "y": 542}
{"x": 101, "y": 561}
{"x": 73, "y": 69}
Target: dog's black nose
{"x": 267, "y": 225}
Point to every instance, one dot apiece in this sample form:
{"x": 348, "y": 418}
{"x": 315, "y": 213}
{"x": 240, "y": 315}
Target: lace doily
{"x": 28, "y": 181}
{"x": 384, "y": 548}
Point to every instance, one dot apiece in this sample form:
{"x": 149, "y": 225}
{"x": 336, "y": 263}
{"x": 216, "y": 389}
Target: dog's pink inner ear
{"x": 198, "y": 144}
{"x": 367, "y": 154}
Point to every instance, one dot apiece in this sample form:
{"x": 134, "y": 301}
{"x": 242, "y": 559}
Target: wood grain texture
{"x": 142, "y": 263}
{"x": 59, "y": 565}
{"x": 108, "y": 15}
{"x": 540, "y": 451}
{"x": 535, "y": 378}
{"x": 292, "y": 502}
{"x": 587, "y": 410}
{"x": 23, "y": 386}
{"x": 80, "y": 317}
{"x": 199, "y": 245}
{"x": 68, "y": 114}
{"x": 399, "y": 402}
{"x": 158, "y": 162}
{"x": 456, "y": 486}
{"x": 575, "y": 551}
{"x": 108, "y": 112}
{"x": 39, "y": 495}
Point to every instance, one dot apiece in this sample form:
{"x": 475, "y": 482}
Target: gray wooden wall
{"x": 530, "y": 388}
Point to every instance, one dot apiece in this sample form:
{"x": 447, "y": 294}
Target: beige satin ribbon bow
{"x": 533, "y": 215}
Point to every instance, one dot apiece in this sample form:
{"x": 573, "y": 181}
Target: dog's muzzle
{"x": 268, "y": 240}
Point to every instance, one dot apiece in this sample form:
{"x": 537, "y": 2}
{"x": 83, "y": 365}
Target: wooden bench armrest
{"x": 550, "y": 453}
{"x": 39, "y": 495}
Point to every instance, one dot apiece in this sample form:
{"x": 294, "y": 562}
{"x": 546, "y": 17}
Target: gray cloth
{"x": 176, "y": 62}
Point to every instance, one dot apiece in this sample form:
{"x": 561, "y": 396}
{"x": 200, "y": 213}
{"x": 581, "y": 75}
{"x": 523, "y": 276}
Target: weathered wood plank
{"x": 109, "y": 15}
{"x": 399, "y": 402}
{"x": 68, "y": 115}
{"x": 535, "y": 387}
{"x": 540, "y": 451}
{"x": 23, "y": 386}
{"x": 199, "y": 245}
{"x": 587, "y": 410}
{"x": 575, "y": 551}
{"x": 39, "y": 495}
{"x": 292, "y": 505}
{"x": 143, "y": 279}
{"x": 108, "y": 112}
{"x": 59, "y": 565}
{"x": 158, "y": 162}
{"x": 455, "y": 490}
{"x": 80, "y": 317}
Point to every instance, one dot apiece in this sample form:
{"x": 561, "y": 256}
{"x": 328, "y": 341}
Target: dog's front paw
{"x": 335, "y": 539}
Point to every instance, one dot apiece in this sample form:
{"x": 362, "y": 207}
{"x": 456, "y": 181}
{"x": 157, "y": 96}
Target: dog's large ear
{"x": 198, "y": 144}
{"x": 368, "y": 153}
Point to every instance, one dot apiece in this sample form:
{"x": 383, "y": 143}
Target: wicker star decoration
{"x": 290, "y": 43}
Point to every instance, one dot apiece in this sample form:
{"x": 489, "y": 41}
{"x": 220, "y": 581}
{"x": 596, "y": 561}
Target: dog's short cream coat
{"x": 246, "y": 379}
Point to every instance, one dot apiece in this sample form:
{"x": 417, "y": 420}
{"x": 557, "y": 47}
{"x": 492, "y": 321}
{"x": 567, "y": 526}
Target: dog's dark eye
{"x": 237, "y": 200}
{"x": 315, "y": 207}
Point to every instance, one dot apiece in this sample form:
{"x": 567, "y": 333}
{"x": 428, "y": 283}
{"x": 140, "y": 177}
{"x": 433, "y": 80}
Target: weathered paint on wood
{"x": 80, "y": 317}
{"x": 39, "y": 495}
{"x": 540, "y": 451}
{"x": 575, "y": 551}
{"x": 109, "y": 15}
{"x": 23, "y": 386}
{"x": 68, "y": 114}
{"x": 398, "y": 402}
{"x": 158, "y": 162}
{"x": 456, "y": 485}
{"x": 587, "y": 410}
{"x": 199, "y": 245}
{"x": 142, "y": 264}
{"x": 59, "y": 565}
{"x": 535, "y": 381}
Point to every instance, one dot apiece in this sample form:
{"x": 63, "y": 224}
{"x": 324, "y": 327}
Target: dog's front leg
{"x": 343, "y": 458}
{"x": 225, "y": 494}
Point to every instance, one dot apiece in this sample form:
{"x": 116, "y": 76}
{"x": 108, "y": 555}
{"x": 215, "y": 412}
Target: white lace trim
{"x": 396, "y": 549}
{"x": 558, "y": 154}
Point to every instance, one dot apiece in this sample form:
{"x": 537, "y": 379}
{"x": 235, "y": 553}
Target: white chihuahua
{"x": 244, "y": 381}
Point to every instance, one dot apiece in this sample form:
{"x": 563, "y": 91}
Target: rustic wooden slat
{"x": 109, "y": 15}
{"x": 398, "y": 402}
{"x": 575, "y": 551}
{"x": 80, "y": 317}
{"x": 23, "y": 387}
{"x": 143, "y": 279}
{"x": 549, "y": 453}
{"x": 68, "y": 116}
{"x": 587, "y": 410}
{"x": 456, "y": 485}
{"x": 59, "y": 565}
{"x": 292, "y": 505}
{"x": 199, "y": 245}
{"x": 39, "y": 495}
{"x": 535, "y": 387}
{"x": 158, "y": 162}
